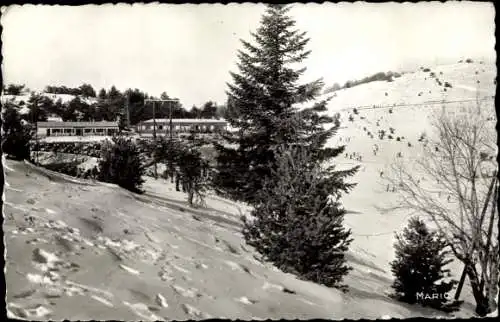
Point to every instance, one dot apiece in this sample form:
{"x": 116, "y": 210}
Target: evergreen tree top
{"x": 263, "y": 100}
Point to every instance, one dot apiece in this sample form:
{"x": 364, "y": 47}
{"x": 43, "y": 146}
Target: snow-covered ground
{"x": 85, "y": 162}
{"x": 90, "y": 138}
{"x": 79, "y": 249}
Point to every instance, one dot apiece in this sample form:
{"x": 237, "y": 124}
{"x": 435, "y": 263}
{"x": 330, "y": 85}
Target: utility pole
{"x": 154, "y": 126}
{"x": 127, "y": 102}
{"x": 154, "y": 139}
{"x": 35, "y": 116}
{"x": 171, "y": 135}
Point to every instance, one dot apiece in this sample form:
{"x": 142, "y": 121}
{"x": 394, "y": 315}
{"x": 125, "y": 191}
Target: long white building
{"x": 76, "y": 129}
{"x": 181, "y": 126}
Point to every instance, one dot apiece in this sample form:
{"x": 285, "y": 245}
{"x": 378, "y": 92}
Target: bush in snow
{"x": 192, "y": 173}
{"x": 185, "y": 163}
{"x": 16, "y": 136}
{"x": 121, "y": 164}
{"x": 421, "y": 256}
{"x": 298, "y": 225}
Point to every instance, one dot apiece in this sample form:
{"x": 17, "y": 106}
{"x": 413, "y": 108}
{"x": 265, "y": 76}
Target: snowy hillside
{"x": 99, "y": 252}
{"x": 83, "y": 250}
{"x": 373, "y": 231}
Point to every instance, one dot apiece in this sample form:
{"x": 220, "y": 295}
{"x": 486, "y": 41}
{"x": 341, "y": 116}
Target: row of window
{"x": 79, "y": 132}
{"x": 182, "y": 128}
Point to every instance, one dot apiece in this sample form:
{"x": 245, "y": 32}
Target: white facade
{"x": 182, "y": 126}
{"x": 76, "y": 129}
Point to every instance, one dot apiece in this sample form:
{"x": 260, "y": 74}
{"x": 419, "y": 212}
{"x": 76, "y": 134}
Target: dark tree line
{"x": 14, "y": 89}
{"x": 108, "y": 105}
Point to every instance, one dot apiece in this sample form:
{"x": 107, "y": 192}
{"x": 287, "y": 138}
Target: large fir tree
{"x": 265, "y": 93}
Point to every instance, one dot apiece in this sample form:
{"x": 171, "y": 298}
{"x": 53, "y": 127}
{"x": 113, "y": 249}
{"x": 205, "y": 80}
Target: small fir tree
{"x": 421, "y": 256}
{"x": 191, "y": 170}
{"x": 184, "y": 164}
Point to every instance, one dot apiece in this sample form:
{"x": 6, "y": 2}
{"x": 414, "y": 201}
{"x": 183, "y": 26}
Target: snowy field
{"x": 78, "y": 249}
{"x": 85, "y": 162}
{"x": 83, "y": 250}
{"x": 90, "y": 138}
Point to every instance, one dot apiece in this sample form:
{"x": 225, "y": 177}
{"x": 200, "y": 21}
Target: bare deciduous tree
{"x": 453, "y": 182}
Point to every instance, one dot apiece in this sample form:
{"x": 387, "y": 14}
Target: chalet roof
{"x": 55, "y": 124}
{"x": 187, "y": 121}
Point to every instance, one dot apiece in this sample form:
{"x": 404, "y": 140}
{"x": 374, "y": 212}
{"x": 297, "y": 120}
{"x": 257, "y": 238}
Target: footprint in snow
{"x": 161, "y": 301}
{"x": 246, "y": 300}
{"x": 24, "y": 294}
{"x": 129, "y": 269}
{"x": 200, "y": 266}
{"x": 231, "y": 248}
{"x": 35, "y": 312}
{"x": 102, "y": 300}
{"x": 239, "y": 267}
{"x": 45, "y": 261}
{"x": 268, "y": 286}
{"x": 143, "y": 311}
{"x": 139, "y": 295}
{"x": 180, "y": 269}
{"x": 53, "y": 292}
{"x": 164, "y": 276}
{"x": 307, "y": 302}
{"x": 191, "y": 310}
{"x": 192, "y": 292}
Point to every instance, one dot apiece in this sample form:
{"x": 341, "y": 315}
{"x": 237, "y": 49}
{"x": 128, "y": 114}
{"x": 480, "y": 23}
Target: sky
{"x": 188, "y": 50}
